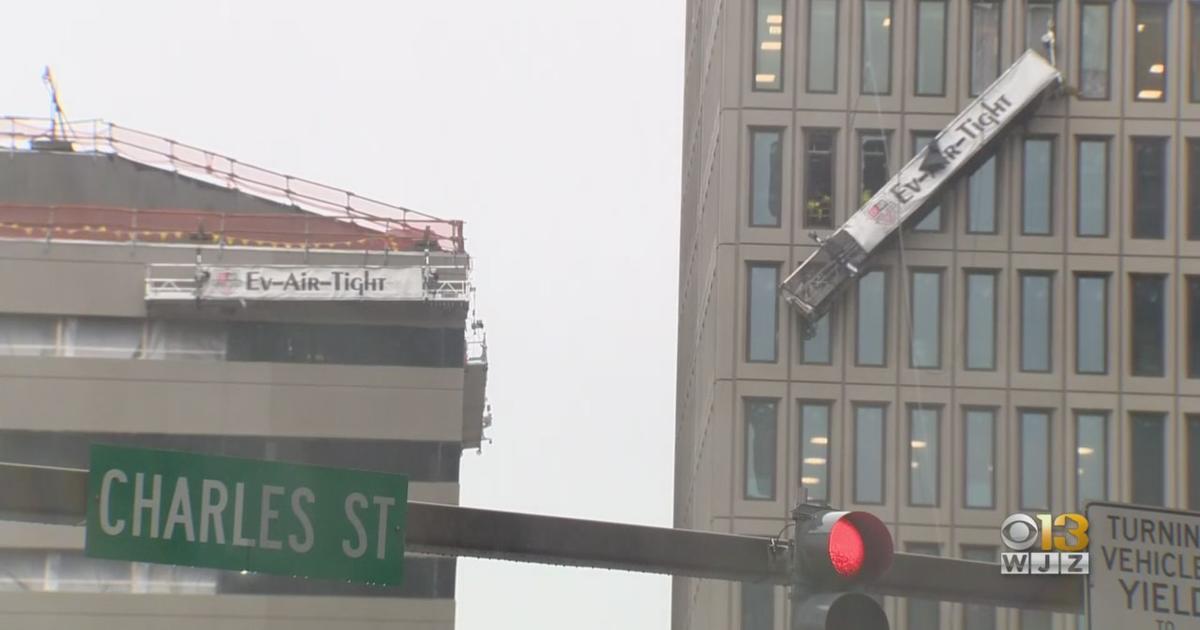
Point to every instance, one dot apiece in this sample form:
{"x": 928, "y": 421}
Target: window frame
{"x": 917, "y": 50}
{"x": 1166, "y": 49}
{"x": 1104, "y": 414}
{"x": 1106, "y": 277}
{"x": 862, "y": 50}
{"x": 827, "y": 404}
{"x": 809, "y": 56}
{"x": 1193, "y": 28}
{"x": 751, "y": 265}
{"x": 1162, "y": 417}
{"x": 1049, "y": 276}
{"x": 753, "y": 132}
{"x": 939, "y": 272}
{"x": 808, "y": 134}
{"x": 937, "y": 456}
{"x": 747, "y": 401}
{"x": 1191, "y": 162}
{"x": 1191, "y": 324}
{"x": 1107, "y": 177}
{"x": 1051, "y": 189}
{"x": 883, "y": 471}
{"x": 1136, "y": 189}
{"x": 997, "y": 202}
{"x": 757, "y": 39}
{"x": 1108, "y": 14}
{"x": 830, "y": 319}
{"x": 994, "y": 411}
{"x": 995, "y": 275}
{"x": 1133, "y": 327}
{"x": 884, "y": 336}
{"x": 1049, "y": 443}
{"x": 883, "y": 136}
{"x": 972, "y": 41}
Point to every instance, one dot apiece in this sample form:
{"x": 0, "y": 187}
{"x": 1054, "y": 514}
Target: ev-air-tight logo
{"x": 1043, "y": 544}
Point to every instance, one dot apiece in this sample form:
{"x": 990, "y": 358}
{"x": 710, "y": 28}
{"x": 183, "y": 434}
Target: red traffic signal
{"x": 841, "y": 548}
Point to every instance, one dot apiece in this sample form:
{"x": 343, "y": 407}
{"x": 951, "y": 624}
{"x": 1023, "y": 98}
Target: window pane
{"x": 926, "y": 319}
{"x": 1038, "y": 178}
{"x": 766, "y": 177}
{"x": 873, "y": 167}
{"x": 758, "y": 606}
{"x": 1194, "y": 38}
{"x": 814, "y": 450}
{"x": 1193, "y": 181}
{"x": 1035, "y": 460}
{"x": 985, "y": 44}
{"x": 980, "y": 432}
{"x": 768, "y": 46}
{"x": 1150, "y": 51}
{"x": 931, "y": 222}
{"x": 877, "y": 47}
{"x": 817, "y": 350}
{"x": 931, "y": 48}
{"x": 822, "y": 45}
{"x": 1193, "y": 463}
{"x": 1093, "y": 187}
{"x": 1149, "y": 187}
{"x": 923, "y": 613}
{"x": 976, "y": 616}
{"x": 1091, "y": 448}
{"x": 868, "y": 454}
{"x": 1035, "y": 322}
{"x": 981, "y": 321}
{"x": 1148, "y": 455}
{"x": 1093, "y": 50}
{"x": 1193, "y": 326}
{"x": 1091, "y": 324}
{"x": 981, "y": 199}
{"x": 28, "y": 335}
{"x": 760, "y": 448}
{"x": 818, "y": 185}
{"x": 1036, "y": 620}
{"x": 1146, "y": 326}
{"x": 762, "y": 326}
{"x": 181, "y": 340}
{"x": 1038, "y": 17}
{"x": 923, "y": 455}
{"x": 108, "y": 337}
{"x": 872, "y": 319}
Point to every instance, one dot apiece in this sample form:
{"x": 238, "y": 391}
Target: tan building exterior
{"x": 1030, "y": 345}
{"x": 102, "y": 340}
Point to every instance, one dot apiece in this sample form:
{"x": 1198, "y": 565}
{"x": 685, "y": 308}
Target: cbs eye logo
{"x": 1037, "y": 548}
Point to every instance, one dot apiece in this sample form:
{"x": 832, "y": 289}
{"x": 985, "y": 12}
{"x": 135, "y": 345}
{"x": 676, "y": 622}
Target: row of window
{"x": 1150, "y": 35}
{"x": 69, "y": 571}
{"x": 1147, "y": 321}
{"x": 1147, "y": 451}
{"x": 131, "y": 338}
{"x": 1149, "y": 209}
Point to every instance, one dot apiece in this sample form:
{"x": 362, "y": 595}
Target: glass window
{"x": 1146, "y": 328}
{"x": 877, "y": 47}
{"x": 1193, "y": 326}
{"x": 768, "y": 46}
{"x": 1039, "y": 18}
{"x": 1148, "y": 455}
{"x": 981, "y": 199}
{"x": 981, "y": 320}
{"x": 106, "y": 337}
{"x": 758, "y": 606}
{"x": 985, "y": 44}
{"x": 873, "y": 166}
{"x": 766, "y": 177}
{"x": 923, "y": 613}
{"x": 1150, "y": 51}
{"x": 869, "y": 453}
{"x": 1091, "y": 457}
{"x": 761, "y": 430}
{"x": 1193, "y": 181}
{"x": 1193, "y": 462}
{"x": 1094, "y": 26}
{"x": 818, "y": 350}
{"x": 822, "y": 45}
{"x": 1035, "y": 460}
{"x": 28, "y": 335}
{"x": 1194, "y": 38}
{"x": 923, "y": 455}
{"x": 186, "y": 340}
{"x": 1036, "y": 620}
{"x": 1038, "y": 180}
{"x": 1149, "y": 187}
{"x": 762, "y": 326}
{"x": 1036, "y": 309}
{"x": 871, "y": 330}
{"x": 345, "y": 344}
{"x": 818, "y": 181}
{"x": 932, "y": 221}
{"x": 931, "y": 48}
{"x": 1091, "y": 324}
{"x": 977, "y": 616}
{"x": 926, "y": 349}
{"x": 814, "y": 450}
{"x": 980, "y": 435}
{"x": 1093, "y": 186}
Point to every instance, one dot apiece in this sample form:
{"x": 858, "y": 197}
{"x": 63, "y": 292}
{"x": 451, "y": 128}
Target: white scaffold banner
{"x": 311, "y": 283}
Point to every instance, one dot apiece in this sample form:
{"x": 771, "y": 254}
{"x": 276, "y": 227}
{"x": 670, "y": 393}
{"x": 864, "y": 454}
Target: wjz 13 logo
{"x": 1043, "y": 544}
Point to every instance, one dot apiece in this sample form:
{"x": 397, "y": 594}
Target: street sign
{"x": 226, "y": 513}
{"x": 1145, "y": 568}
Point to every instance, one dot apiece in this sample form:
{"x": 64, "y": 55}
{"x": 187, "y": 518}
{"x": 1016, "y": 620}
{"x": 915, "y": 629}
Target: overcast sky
{"x": 552, "y": 127}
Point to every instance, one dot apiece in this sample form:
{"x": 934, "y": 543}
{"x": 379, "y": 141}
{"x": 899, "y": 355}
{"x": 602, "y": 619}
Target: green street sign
{"x": 240, "y": 514}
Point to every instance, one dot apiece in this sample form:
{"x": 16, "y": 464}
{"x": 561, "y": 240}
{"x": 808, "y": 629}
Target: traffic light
{"x": 835, "y": 553}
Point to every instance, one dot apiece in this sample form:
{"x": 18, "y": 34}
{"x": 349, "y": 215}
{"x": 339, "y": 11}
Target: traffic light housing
{"x": 834, "y": 553}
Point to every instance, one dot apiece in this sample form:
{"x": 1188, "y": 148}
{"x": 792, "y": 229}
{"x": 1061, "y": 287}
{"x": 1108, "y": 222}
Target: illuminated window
{"x": 923, "y": 465}
{"x": 768, "y": 46}
{"x": 877, "y": 47}
{"x": 1150, "y": 51}
{"x": 814, "y": 450}
{"x": 1091, "y": 457}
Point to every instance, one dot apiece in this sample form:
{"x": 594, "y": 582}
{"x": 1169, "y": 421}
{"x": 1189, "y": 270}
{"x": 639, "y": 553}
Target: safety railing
{"x": 98, "y": 136}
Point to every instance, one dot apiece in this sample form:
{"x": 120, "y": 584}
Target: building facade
{"x": 1031, "y": 344}
{"x": 110, "y": 241}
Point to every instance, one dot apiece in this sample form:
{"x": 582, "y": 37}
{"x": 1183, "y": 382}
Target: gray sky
{"x": 552, "y": 127}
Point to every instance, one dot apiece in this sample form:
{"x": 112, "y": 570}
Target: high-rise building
{"x": 159, "y": 295}
{"x": 1031, "y": 344}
